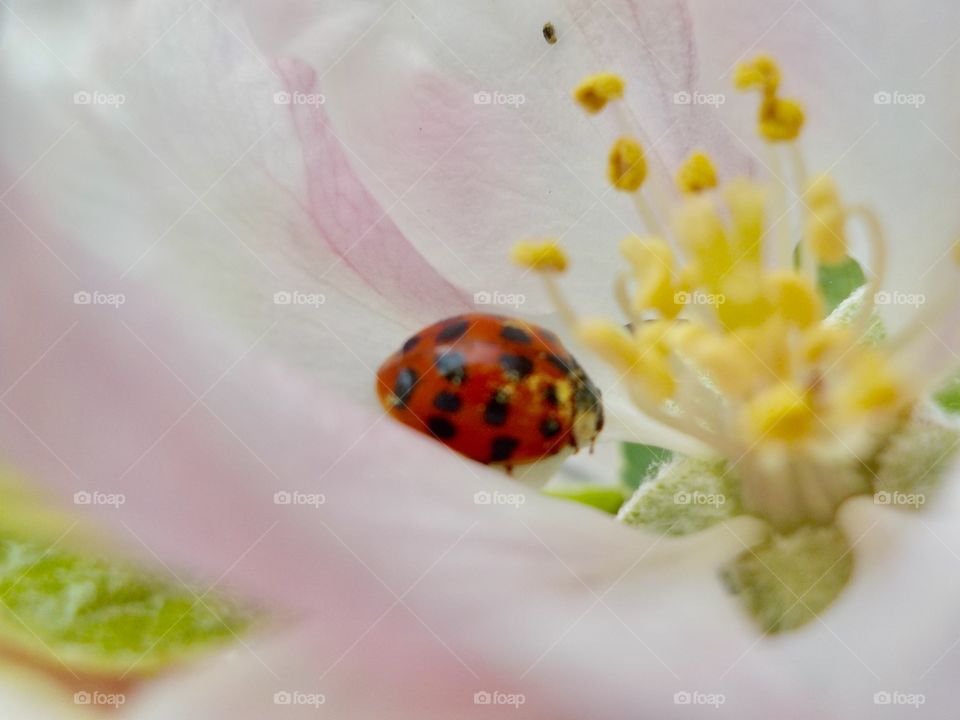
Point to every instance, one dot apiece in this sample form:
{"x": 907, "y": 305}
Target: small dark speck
{"x": 550, "y": 33}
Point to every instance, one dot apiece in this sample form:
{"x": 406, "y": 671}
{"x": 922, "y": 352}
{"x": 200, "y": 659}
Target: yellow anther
{"x": 780, "y": 119}
{"x": 825, "y": 224}
{"x": 543, "y": 256}
{"x": 761, "y": 73}
{"x": 653, "y": 265}
{"x": 797, "y": 301}
{"x": 627, "y": 167}
{"x": 596, "y": 91}
{"x": 782, "y": 413}
{"x": 697, "y": 174}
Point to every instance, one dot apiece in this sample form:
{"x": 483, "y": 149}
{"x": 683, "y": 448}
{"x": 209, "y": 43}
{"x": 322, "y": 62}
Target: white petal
{"x": 191, "y": 177}
{"x": 474, "y": 178}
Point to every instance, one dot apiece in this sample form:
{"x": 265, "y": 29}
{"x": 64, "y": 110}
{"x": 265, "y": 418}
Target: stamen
{"x": 544, "y": 256}
{"x": 727, "y": 349}
{"x": 779, "y": 119}
{"x": 626, "y": 166}
{"x": 548, "y": 259}
{"x": 826, "y": 239}
{"x": 596, "y": 91}
{"x": 697, "y": 174}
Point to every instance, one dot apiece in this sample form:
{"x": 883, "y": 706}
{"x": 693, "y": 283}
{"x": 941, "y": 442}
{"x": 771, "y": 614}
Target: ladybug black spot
{"x": 441, "y": 428}
{"x": 516, "y": 366}
{"x": 560, "y": 363}
{"x": 496, "y": 410}
{"x": 550, "y": 395}
{"x": 453, "y": 331}
{"x": 549, "y": 428}
{"x": 452, "y": 367}
{"x": 447, "y": 401}
{"x": 502, "y": 448}
{"x": 404, "y": 386}
{"x": 411, "y": 343}
{"x": 515, "y": 334}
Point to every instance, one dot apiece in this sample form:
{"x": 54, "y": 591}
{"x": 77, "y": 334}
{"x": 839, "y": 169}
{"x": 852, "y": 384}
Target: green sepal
{"x": 686, "y": 495}
{"x": 789, "y": 580}
{"x": 910, "y": 467}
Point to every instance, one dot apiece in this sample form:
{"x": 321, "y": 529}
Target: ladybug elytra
{"x": 498, "y": 390}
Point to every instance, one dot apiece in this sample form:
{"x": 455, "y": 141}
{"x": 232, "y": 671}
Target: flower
{"x": 222, "y": 180}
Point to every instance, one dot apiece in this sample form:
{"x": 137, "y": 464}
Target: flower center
{"x": 725, "y": 335}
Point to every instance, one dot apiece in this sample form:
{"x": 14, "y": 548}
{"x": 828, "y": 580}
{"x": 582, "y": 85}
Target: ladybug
{"x": 498, "y": 390}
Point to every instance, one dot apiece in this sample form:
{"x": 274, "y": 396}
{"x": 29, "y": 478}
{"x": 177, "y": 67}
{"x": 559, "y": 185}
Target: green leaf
{"x": 686, "y": 495}
{"x": 603, "y": 497}
{"x": 102, "y": 616}
{"x": 639, "y": 461}
{"x": 948, "y": 396}
{"x": 838, "y": 281}
{"x": 790, "y": 579}
{"x": 63, "y": 602}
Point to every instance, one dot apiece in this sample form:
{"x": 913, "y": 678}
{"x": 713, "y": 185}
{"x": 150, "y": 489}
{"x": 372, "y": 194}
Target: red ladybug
{"x": 495, "y": 389}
